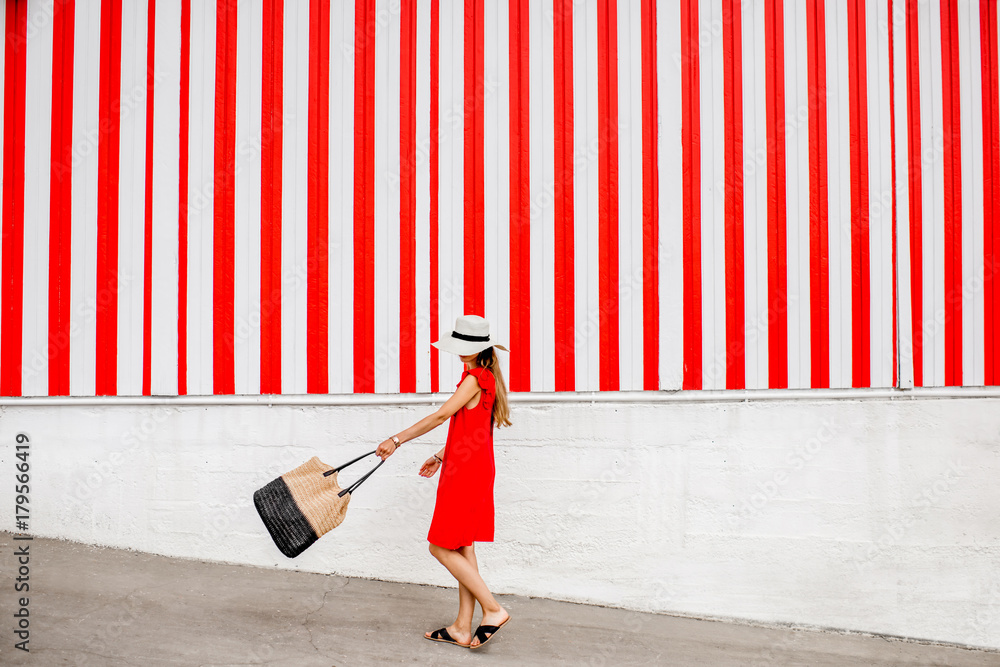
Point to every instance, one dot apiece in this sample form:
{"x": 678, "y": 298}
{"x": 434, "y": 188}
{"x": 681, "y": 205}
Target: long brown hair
{"x": 501, "y": 409}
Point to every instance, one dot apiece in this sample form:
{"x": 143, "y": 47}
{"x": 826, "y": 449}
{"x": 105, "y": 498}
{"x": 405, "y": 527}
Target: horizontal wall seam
{"x": 526, "y": 398}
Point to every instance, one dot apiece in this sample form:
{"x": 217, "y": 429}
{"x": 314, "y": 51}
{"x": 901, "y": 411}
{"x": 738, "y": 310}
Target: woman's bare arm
{"x": 465, "y": 392}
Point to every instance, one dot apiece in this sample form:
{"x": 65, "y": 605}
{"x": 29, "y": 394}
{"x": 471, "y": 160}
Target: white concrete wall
{"x": 871, "y": 515}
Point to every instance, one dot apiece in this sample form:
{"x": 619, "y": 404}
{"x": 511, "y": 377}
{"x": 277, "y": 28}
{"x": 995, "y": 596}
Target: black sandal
{"x": 443, "y": 636}
{"x": 487, "y": 632}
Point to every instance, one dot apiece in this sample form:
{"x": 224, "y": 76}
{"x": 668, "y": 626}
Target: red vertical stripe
{"x": 107, "y": 198}
{"x": 407, "y": 197}
{"x": 952, "y": 163}
{"x": 474, "y": 178}
{"x": 892, "y": 142}
{"x": 991, "y": 189}
{"x": 224, "y": 200}
{"x": 60, "y": 198}
{"x": 182, "y": 194}
{"x": 915, "y": 187}
{"x": 819, "y": 241}
{"x": 691, "y": 159}
{"x": 223, "y": 332}
{"x": 564, "y": 290}
{"x": 12, "y": 275}
{"x": 860, "y": 271}
{"x": 147, "y": 302}
{"x": 272, "y": 85}
{"x": 317, "y": 199}
{"x": 650, "y": 203}
{"x": 607, "y": 109}
{"x": 434, "y": 165}
{"x": 732, "y": 55}
{"x": 364, "y": 195}
{"x": 520, "y": 197}
{"x": 777, "y": 274}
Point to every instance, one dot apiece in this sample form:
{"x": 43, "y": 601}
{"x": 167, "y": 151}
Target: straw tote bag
{"x": 304, "y": 504}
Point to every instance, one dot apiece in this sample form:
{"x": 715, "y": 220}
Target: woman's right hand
{"x": 386, "y": 448}
{"x": 430, "y": 467}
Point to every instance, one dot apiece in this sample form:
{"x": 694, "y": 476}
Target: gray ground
{"x": 107, "y": 607}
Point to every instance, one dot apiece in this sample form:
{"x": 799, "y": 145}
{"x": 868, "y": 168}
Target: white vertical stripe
{"x": 671, "y": 196}
{"x": 341, "y": 197}
{"x": 295, "y": 191}
{"x": 905, "y": 333}
{"x": 131, "y": 198}
{"x": 37, "y": 165}
{"x": 387, "y": 176}
{"x": 543, "y": 356}
{"x": 496, "y": 95}
{"x": 797, "y": 110}
{"x": 424, "y": 333}
{"x": 839, "y": 192}
{"x": 713, "y": 248}
{"x": 386, "y": 197}
{"x": 201, "y": 170}
{"x": 86, "y": 100}
{"x": 586, "y": 223}
{"x": 755, "y": 182}
{"x": 630, "y": 292}
{"x": 976, "y": 324}
{"x": 930, "y": 159}
{"x": 932, "y": 126}
{"x": 879, "y": 193}
{"x": 166, "y": 172}
{"x": 973, "y": 304}
{"x": 451, "y": 228}
{"x": 592, "y": 263}
{"x": 586, "y": 193}
{"x": 246, "y": 241}
{"x": 387, "y": 363}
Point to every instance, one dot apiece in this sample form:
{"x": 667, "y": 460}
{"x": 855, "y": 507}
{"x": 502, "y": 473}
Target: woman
{"x": 463, "y": 513}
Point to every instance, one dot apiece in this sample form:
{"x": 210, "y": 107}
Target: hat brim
{"x": 464, "y": 348}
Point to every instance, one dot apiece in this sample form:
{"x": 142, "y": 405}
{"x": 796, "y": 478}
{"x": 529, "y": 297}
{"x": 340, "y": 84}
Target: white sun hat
{"x": 470, "y": 336}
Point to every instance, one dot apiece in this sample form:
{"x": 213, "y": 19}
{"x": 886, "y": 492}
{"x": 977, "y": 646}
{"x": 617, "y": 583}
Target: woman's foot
{"x": 460, "y": 636}
{"x": 496, "y": 619}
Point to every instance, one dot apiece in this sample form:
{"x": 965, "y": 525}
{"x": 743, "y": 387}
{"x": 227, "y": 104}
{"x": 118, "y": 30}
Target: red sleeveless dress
{"x": 463, "y": 513}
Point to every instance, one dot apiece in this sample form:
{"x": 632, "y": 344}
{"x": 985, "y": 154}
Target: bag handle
{"x": 356, "y": 484}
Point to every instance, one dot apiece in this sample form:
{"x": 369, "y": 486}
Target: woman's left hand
{"x": 430, "y": 467}
{"x": 385, "y": 449}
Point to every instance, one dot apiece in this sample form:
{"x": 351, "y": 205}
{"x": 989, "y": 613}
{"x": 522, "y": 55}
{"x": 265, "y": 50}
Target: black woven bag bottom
{"x": 288, "y": 527}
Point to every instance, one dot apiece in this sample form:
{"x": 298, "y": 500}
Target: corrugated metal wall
{"x": 289, "y": 197}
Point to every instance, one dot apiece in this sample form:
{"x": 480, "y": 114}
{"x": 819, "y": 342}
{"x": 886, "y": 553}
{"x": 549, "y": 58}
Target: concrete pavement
{"x": 111, "y": 608}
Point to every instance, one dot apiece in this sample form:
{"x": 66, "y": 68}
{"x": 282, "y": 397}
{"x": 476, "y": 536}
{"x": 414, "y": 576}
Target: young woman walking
{"x": 463, "y": 513}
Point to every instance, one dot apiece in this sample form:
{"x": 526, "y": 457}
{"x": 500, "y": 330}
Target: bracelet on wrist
{"x": 438, "y": 458}
{"x": 395, "y": 440}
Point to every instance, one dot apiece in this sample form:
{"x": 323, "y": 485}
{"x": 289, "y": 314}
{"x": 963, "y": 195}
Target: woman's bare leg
{"x": 466, "y": 600}
{"x": 461, "y": 629}
{"x": 467, "y": 575}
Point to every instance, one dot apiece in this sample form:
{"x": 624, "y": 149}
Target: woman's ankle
{"x": 494, "y": 609}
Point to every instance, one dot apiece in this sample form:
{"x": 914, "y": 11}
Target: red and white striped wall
{"x": 948, "y": 191}
{"x": 298, "y": 196}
